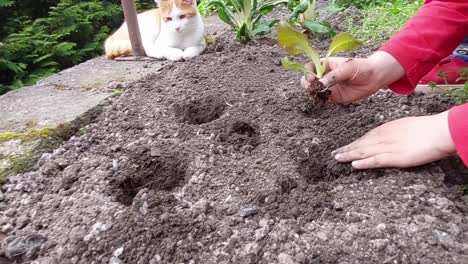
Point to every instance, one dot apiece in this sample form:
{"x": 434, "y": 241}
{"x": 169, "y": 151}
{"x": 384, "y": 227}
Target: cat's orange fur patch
{"x": 186, "y": 6}
{"x": 118, "y": 44}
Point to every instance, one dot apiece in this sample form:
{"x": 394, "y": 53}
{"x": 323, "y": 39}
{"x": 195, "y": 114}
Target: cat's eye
{"x": 182, "y": 16}
{"x": 167, "y": 19}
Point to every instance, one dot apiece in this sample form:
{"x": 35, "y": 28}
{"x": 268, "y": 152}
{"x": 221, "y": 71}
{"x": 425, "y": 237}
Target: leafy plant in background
{"x": 380, "y": 22}
{"x": 245, "y": 16}
{"x": 41, "y": 37}
{"x": 206, "y": 7}
{"x": 459, "y": 94}
{"x": 305, "y": 15}
{"x": 296, "y": 42}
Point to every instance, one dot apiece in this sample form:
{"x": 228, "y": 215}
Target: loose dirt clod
{"x": 319, "y": 94}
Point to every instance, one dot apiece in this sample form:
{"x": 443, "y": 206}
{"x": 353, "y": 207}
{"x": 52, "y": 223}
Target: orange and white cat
{"x": 174, "y": 31}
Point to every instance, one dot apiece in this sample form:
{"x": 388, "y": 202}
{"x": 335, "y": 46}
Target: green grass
{"x": 381, "y": 22}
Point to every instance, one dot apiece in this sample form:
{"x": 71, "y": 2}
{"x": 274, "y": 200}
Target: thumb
{"x": 344, "y": 72}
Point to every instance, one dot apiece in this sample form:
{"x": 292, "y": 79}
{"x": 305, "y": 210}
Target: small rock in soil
{"x": 284, "y": 258}
{"x": 50, "y": 168}
{"x": 246, "y": 212}
{"x": 10, "y": 212}
{"x": 6, "y": 228}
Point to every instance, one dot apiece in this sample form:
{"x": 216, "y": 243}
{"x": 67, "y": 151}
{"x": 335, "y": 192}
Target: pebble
{"x": 49, "y": 168}
{"x": 381, "y": 227}
{"x": 6, "y": 228}
{"x": 118, "y": 252}
{"x": 322, "y": 236}
{"x": 115, "y": 260}
{"x": 383, "y": 190}
{"x": 115, "y": 165}
{"x": 144, "y": 208}
{"x": 249, "y": 211}
{"x": 284, "y": 258}
{"x": 201, "y": 206}
{"x": 444, "y": 238}
{"x": 29, "y": 245}
{"x": 419, "y": 189}
{"x": 164, "y": 217}
{"x": 379, "y": 244}
{"x": 62, "y": 162}
{"x": 454, "y": 229}
{"x": 10, "y": 212}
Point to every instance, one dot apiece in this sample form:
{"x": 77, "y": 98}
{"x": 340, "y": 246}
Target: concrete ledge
{"x": 66, "y": 101}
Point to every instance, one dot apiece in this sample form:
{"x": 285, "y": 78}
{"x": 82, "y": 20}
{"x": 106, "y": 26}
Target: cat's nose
{"x": 177, "y": 29}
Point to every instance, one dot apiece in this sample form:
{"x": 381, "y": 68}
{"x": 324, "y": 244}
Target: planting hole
{"x": 240, "y": 134}
{"x": 320, "y": 166}
{"x": 162, "y": 173}
{"x": 200, "y": 111}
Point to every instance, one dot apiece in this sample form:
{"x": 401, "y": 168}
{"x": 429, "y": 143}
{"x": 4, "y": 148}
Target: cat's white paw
{"x": 175, "y": 55}
{"x": 192, "y": 52}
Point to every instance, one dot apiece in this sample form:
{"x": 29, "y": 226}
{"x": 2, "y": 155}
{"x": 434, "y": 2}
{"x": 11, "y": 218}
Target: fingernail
{"x": 334, "y": 152}
{"x": 337, "y": 157}
{"x": 355, "y": 164}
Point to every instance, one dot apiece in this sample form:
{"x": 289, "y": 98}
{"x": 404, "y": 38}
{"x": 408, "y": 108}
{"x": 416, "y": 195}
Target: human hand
{"x": 350, "y": 80}
{"x": 405, "y": 142}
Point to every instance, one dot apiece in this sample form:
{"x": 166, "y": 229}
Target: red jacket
{"x": 428, "y": 37}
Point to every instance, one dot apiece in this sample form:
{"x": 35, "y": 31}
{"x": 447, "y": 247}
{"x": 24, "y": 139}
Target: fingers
{"x": 362, "y": 152}
{"x": 340, "y": 73}
{"x": 305, "y": 82}
{"x": 378, "y": 161}
{"x": 310, "y": 66}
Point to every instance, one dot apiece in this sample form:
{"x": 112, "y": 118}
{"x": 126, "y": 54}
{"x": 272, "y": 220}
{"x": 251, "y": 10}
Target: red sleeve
{"x": 428, "y": 37}
{"x": 458, "y": 126}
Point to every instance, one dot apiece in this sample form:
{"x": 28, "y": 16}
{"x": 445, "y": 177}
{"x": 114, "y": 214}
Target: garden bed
{"x": 222, "y": 159}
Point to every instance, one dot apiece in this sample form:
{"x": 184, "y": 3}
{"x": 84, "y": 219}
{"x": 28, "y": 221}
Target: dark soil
{"x": 223, "y": 159}
{"x": 318, "y": 93}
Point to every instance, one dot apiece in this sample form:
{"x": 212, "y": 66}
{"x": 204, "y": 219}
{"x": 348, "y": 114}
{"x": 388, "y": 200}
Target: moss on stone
{"x": 18, "y": 163}
{"x": 28, "y": 135}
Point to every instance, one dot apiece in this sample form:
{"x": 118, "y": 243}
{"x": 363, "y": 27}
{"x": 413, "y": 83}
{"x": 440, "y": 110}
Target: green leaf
{"x": 262, "y": 28}
{"x": 296, "y": 43}
{"x": 310, "y": 13}
{"x": 298, "y": 10}
{"x": 342, "y": 42}
{"x": 316, "y": 27}
{"x": 465, "y": 87}
{"x": 242, "y": 34}
{"x": 224, "y": 13}
{"x": 267, "y": 6}
{"x": 292, "y": 65}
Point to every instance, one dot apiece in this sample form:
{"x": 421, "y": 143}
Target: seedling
{"x": 296, "y": 42}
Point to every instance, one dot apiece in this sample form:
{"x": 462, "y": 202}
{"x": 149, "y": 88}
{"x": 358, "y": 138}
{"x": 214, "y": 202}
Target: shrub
{"x": 245, "y": 16}
{"x": 41, "y": 37}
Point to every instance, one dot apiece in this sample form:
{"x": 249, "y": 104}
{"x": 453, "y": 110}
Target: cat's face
{"x": 177, "y": 14}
